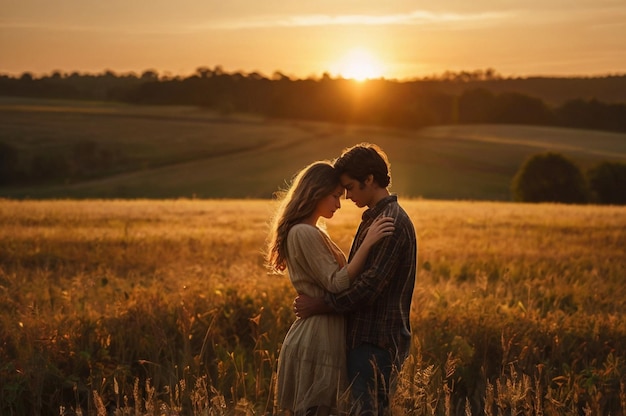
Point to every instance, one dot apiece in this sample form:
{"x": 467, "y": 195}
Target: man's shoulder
{"x": 394, "y": 209}
{"x": 402, "y": 220}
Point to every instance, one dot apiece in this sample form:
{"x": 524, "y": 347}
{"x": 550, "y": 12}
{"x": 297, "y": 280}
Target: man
{"x": 378, "y": 302}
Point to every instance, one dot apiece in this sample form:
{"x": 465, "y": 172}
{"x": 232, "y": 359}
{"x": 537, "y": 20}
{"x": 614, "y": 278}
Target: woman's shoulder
{"x": 302, "y": 230}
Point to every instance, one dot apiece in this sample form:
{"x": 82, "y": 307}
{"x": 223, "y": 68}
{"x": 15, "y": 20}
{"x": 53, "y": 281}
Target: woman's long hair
{"x": 299, "y": 202}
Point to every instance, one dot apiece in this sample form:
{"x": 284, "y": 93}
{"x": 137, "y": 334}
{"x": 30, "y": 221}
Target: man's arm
{"x": 305, "y": 306}
{"x": 366, "y": 286}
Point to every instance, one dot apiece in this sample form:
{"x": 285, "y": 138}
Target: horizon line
{"x": 167, "y": 74}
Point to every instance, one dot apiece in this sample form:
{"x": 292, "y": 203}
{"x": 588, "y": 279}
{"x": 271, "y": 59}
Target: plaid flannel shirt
{"x": 378, "y": 302}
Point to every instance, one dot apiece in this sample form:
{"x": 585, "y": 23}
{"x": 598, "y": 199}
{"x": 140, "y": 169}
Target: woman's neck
{"x": 312, "y": 220}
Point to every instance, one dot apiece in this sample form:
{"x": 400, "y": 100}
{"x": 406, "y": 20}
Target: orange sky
{"x": 395, "y": 39}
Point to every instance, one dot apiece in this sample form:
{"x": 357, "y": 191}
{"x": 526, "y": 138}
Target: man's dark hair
{"x": 362, "y": 160}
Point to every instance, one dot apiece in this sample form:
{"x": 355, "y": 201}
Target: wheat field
{"x": 164, "y": 307}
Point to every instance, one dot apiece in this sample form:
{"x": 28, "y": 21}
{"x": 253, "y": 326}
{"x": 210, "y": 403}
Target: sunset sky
{"x": 352, "y": 38}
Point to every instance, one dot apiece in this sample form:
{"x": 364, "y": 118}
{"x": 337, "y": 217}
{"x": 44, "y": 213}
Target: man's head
{"x": 364, "y": 171}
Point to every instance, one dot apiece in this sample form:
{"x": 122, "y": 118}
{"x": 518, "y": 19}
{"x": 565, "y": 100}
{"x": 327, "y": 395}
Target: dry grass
{"x": 164, "y": 307}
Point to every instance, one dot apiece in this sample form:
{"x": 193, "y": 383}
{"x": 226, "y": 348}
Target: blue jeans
{"x": 369, "y": 371}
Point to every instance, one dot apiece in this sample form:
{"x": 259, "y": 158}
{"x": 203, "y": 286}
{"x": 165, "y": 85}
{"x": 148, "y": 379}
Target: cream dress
{"x": 312, "y": 363}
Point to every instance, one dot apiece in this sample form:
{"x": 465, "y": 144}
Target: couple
{"x": 353, "y": 329}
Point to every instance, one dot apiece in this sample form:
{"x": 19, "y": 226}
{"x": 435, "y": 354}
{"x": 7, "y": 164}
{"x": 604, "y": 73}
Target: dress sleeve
{"x": 307, "y": 248}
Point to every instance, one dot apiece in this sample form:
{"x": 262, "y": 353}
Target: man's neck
{"x": 379, "y": 195}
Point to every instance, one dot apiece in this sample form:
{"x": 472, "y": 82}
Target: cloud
{"x": 414, "y": 18}
{"x": 417, "y": 17}
{"x": 118, "y": 28}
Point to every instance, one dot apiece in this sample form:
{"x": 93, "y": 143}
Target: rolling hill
{"x": 185, "y": 152}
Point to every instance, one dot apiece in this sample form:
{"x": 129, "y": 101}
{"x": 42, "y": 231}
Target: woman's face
{"x": 327, "y": 206}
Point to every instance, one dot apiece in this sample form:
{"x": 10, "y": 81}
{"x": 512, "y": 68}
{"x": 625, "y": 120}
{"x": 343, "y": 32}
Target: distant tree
{"x": 218, "y": 70}
{"x": 520, "y": 108}
{"x": 607, "y": 182}
{"x": 480, "y": 105}
{"x": 476, "y": 106}
{"x": 149, "y": 75}
{"x": 257, "y": 76}
{"x": 491, "y": 74}
{"x": 8, "y": 163}
{"x": 204, "y": 72}
{"x": 279, "y": 76}
{"x": 109, "y": 74}
{"x": 592, "y": 114}
{"x": 549, "y": 177}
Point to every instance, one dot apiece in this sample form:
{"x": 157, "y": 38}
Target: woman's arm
{"x": 381, "y": 227}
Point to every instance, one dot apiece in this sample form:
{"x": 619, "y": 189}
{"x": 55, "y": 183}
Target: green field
{"x": 171, "y": 152}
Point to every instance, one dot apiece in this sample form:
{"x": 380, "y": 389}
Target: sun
{"x": 359, "y": 64}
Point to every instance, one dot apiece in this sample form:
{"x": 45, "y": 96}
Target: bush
{"x": 549, "y": 177}
{"x": 607, "y": 183}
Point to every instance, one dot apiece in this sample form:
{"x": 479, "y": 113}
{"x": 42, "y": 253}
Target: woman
{"x": 311, "y": 365}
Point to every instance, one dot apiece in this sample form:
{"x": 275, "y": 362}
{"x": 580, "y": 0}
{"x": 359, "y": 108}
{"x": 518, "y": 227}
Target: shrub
{"x": 549, "y": 177}
{"x": 607, "y": 182}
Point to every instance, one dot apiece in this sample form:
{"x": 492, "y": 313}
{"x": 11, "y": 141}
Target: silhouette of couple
{"x": 352, "y": 332}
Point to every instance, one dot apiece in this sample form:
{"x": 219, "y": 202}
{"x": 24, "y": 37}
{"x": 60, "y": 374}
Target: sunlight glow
{"x": 359, "y": 64}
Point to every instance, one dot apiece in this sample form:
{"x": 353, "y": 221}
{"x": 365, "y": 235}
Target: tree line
{"x": 453, "y": 98}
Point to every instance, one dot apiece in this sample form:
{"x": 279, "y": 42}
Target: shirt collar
{"x": 378, "y": 208}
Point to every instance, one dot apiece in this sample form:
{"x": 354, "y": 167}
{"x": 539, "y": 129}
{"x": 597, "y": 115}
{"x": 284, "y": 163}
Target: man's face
{"x": 359, "y": 193}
